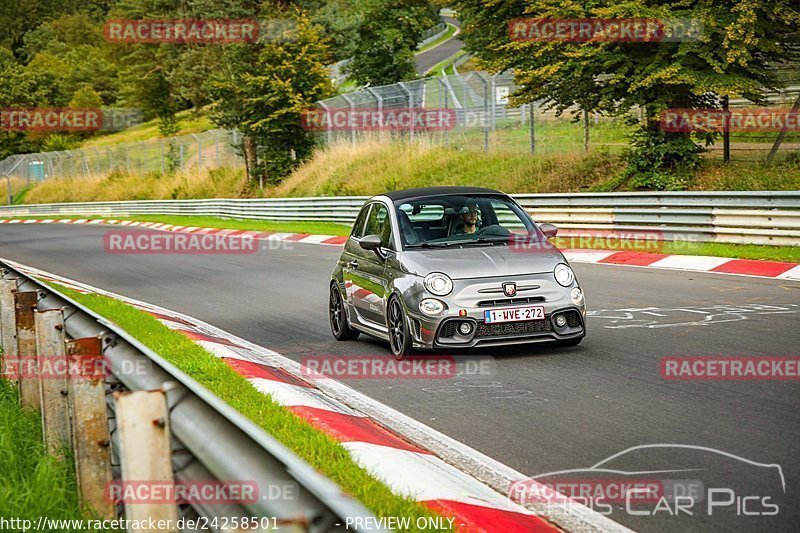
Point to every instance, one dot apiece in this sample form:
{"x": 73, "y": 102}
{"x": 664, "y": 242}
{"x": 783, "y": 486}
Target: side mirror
{"x": 549, "y": 230}
{"x": 371, "y": 242}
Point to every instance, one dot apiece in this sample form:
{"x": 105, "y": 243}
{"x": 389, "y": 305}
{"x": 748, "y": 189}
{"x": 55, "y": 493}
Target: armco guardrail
{"x": 209, "y": 439}
{"x": 769, "y": 217}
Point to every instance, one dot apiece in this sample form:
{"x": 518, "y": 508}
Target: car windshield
{"x": 462, "y": 220}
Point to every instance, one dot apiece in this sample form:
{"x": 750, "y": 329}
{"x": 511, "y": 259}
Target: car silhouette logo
{"x": 510, "y": 289}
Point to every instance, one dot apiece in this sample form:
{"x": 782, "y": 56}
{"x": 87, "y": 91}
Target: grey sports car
{"x": 453, "y": 267}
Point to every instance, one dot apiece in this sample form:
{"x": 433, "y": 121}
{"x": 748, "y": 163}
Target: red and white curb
{"x": 419, "y": 462}
{"x": 693, "y": 263}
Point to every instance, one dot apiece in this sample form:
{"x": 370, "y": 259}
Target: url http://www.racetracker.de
{"x": 44, "y": 523}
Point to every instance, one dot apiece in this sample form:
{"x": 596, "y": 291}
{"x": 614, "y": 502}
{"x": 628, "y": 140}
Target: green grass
{"x": 318, "y": 449}
{"x": 189, "y": 121}
{"x": 451, "y": 30}
{"x": 789, "y": 254}
{"x": 738, "y": 251}
{"x": 34, "y": 484}
{"x": 436, "y": 70}
{"x": 314, "y": 228}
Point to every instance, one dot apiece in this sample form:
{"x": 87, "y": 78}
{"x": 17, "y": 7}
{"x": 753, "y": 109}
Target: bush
{"x": 661, "y": 161}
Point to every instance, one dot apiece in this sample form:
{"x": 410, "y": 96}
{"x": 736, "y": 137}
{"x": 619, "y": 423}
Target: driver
{"x": 469, "y": 220}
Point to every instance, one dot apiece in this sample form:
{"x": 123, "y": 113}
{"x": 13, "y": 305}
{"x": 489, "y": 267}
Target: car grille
{"x": 449, "y": 328}
{"x": 507, "y": 329}
{"x": 573, "y": 318}
{"x": 511, "y": 301}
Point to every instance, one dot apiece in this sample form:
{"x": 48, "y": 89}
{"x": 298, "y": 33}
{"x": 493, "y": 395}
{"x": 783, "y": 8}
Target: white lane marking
{"x": 402, "y": 469}
{"x": 691, "y": 262}
{"x": 290, "y": 395}
{"x": 315, "y": 239}
{"x": 792, "y": 273}
{"x": 586, "y": 257}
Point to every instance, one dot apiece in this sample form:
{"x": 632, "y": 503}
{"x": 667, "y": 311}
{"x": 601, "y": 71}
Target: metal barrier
{"x": 768, "y": 217}
{"x": 209, "y": 439}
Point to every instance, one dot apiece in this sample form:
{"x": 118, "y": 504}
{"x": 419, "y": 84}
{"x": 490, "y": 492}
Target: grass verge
{"x": 34, "y": 484}
{"x": 451, "y": 30}
{"x": 318, "y": 449}
{"x": 737, "y": 251}
{"x": 313, "y": 228}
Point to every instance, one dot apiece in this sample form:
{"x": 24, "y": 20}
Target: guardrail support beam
{"x": 8, "y": 328}
{"x": 53, "y": 372}
{"x": 90, "y": 436}
{"x": 24, "y": 304}
{"x": 145, "y": 452}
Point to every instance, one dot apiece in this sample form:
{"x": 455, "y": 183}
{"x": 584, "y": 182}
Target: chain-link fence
{"x": 484, "y": 119}
{"x": 210, "y": 149}
{"x": 474, "y": 113}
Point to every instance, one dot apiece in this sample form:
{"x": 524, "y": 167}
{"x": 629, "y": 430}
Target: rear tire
{"x": 399, "y": 335}
{"x": 338, "y": 316}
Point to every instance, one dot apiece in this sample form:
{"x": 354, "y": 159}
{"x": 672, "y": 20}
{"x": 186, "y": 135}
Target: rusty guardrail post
{"x": 90, "y": 434}
{"x": 145, "y": 452}
{"x": 24, "y": 304}
{"x": 53, "y": 372}
{"x": 8, "y": 329}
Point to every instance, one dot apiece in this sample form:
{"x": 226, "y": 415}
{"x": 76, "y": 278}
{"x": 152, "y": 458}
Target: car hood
{"x": 481, "y": 261}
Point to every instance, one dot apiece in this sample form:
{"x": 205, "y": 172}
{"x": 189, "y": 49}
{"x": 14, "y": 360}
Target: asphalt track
{"x": 428, "y": 59}
{"x": 539, "y": 409}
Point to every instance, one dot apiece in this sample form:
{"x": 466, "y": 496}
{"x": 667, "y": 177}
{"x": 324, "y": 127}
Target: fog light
{"x": 577, "y": 296}
{"x": 561, "y": 321}
{"x": 465, "y": 328}
{"x": 431, "y": 306}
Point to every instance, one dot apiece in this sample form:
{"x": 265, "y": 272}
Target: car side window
{"x": 358, "y": 225}
{"x": 378, "y": 223}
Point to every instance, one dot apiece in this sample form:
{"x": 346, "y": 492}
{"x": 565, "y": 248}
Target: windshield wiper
{"x": 488, "y": 240}
{"x": 433, "y": 244}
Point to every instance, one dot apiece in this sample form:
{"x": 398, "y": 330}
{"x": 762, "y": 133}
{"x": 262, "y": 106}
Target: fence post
{"x": 145, "y": 452}
{"x": 531, "y": 128}
{"x": 90, "y": 436}
{"x": 485, "y": 113}
{"x": 352, "y": 113}
{"x": 585, "y": 130}
{"x": 8, "y": 328}
{"x": 494, "y": 102}
{"x": 410, "y": 109}
{"x": 24, "y": 304}
{"x": 53, "y": 369}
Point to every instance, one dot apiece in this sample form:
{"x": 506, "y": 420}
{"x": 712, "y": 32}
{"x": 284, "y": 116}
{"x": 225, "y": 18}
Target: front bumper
{"x": 467, "y": 305}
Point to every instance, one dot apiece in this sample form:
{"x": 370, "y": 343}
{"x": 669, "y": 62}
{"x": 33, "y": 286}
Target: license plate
{"x": 513, "y": 314}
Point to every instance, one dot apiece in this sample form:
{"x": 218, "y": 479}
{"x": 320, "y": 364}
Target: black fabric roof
{"x": 433, "y": 191}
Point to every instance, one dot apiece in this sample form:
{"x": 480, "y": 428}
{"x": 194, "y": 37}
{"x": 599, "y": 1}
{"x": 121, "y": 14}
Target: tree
{"x": 263, "y": 90}
{"x": 388, "y": 36}
{"x": 741, "y": 43}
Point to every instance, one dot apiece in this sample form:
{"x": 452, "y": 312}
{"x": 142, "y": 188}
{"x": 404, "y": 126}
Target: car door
{"x": 366, "y": 271}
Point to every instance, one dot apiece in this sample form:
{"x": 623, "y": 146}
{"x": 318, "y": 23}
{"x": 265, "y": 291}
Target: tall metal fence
{"x": 485, "y": 119}
{"x": 482, "y": 119}
{"x": 210, "y": 149}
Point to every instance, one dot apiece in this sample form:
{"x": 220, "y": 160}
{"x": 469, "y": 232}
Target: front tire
{"x": 338, "y": 316}
{"x": 399, "y": 335}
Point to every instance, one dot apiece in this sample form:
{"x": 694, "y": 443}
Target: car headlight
{"x": 564, "y": 275}
{"x": 431, "y": 306}
{"x": 576, "y": 295}
{"x": 438, "y": 284}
